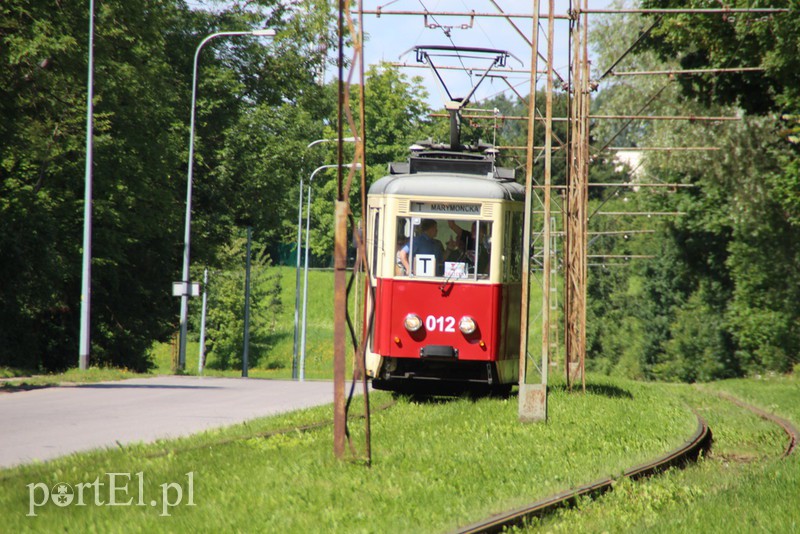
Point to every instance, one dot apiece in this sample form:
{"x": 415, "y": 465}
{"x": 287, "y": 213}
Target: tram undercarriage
{"x": 413, "y": 376}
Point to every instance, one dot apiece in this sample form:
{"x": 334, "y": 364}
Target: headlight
{"x": 467, "y": 325}
{"x": 412, "y": 322}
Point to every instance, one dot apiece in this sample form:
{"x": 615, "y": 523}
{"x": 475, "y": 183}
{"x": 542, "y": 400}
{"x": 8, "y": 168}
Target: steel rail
{"x": 299, "y": 429}
{"x": 789, "y": 428}
{"x": 689, "y": 451}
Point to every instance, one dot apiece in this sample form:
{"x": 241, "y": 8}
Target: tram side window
{"x": 375, "y": 241}
{"x": 442, "y": 247}
{"x": 514, "y": 245}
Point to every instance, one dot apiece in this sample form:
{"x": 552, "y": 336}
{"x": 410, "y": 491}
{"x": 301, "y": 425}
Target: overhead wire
{"x": 449, "y": 38}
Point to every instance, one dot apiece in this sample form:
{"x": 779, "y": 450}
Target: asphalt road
{"x": 46, "y": 423}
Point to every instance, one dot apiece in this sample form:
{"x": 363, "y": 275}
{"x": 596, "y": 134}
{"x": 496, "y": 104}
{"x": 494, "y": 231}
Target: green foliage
{"x": 719, "y": 298}
{"x": 143, "y": 71}
{"x": 395, "y": 116}
{"x": 729, "y": 41}
{"x": 225, "y": 315}
{"x": 42, "y": 94}
{"x": 509, "y": 132}
{"x": 699, "y": 348}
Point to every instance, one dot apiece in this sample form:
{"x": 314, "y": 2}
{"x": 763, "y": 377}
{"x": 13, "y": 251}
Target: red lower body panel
{"x": 495, "y": 309}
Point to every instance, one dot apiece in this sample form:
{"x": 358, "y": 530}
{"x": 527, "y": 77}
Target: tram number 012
{"x": 443, "y": 324}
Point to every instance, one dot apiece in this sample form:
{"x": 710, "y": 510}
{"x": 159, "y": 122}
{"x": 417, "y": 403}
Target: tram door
{"x": 374, "y": 243}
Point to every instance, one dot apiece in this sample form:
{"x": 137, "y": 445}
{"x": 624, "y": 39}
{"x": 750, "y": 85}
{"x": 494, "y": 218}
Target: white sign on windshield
{"x": 455, "y": 269}
{"x": 425, "y": 265}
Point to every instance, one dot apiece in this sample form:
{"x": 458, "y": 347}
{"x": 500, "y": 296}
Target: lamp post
{"x": 86, "y": 277}
{"x": 187, "y": 228}
{"x": 305, "y": 270}
{"x": 297, "y": 270}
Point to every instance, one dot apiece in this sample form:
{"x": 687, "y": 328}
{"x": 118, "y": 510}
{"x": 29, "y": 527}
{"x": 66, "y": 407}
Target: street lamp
{"x": 297, "y": 270}
{"x": 84, "y": 343}
{"x": 187, "y": 229}
{"x": 305, "y": 272}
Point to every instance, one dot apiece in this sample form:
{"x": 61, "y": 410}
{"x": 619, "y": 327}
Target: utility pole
{"x": 86, "y": 278}
{"x": 246, "y": 350}
{"x": 577, "y": 205}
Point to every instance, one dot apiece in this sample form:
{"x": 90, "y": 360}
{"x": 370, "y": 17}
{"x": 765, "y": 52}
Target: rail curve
{"x": 699, "y": 441}
{"x": 688, "y": 451}
{"x": 791, "y": 431}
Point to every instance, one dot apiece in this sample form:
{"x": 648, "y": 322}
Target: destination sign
{"x": 446, "y": 208}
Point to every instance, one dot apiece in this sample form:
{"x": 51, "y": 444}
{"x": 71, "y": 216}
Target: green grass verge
{"x": 741, "y": 486}
{"x": 12, "y": 372}
{"x": 435, "y": 465}
{"x": 72, "y": 376}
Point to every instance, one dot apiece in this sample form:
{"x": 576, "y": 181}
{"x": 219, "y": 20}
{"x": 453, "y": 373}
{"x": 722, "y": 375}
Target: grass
{"x": 23, "y": 382}
{"x": 436, "y": 465}
{"x": 11, "y": 372}
{"x": 742, "y": 486}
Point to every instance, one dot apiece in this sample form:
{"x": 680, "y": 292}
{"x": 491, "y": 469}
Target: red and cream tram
{"x": 444, "y": 244}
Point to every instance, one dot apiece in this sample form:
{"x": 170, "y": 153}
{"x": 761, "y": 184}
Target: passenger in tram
{"x": 462, "y": 247}
{"x": 424, "y": 243}
{"x": 401, "y": 264}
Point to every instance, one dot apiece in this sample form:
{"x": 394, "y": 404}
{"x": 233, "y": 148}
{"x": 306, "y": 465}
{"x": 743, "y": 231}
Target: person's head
{"x": 429, "y": 226}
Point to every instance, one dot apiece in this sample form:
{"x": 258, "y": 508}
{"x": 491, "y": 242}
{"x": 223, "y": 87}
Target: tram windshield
{"x": 456, "y": 249}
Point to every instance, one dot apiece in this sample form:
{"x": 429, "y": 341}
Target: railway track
{"x": 687, "y": 452}
{"x": 699, "y": 441}
{"x": 791, "y": 431}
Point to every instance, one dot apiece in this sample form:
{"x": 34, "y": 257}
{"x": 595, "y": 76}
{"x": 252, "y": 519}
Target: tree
{"x": 396, "y": 117}
{"x": 143, "y": 68}
{"x": 225, "y": 331}
{"x": 43, "y": 106}
{"x": 719, "y": 297}
{"x": 771, "y": 41}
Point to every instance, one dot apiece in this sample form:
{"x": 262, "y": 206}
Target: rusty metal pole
{"x": 360, "y": 351}
{"x": 575, "y": 260}
{"x": 340, "y": 270}
{"x": 548, "y": 167}
{"x": 569, "y": 215}
{"x": 532, "y": 397}
{"x": 339, "y": 332}
{"x": 585, "y": 183}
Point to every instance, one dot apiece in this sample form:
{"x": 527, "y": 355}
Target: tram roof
{"x": 438, "y": 184}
